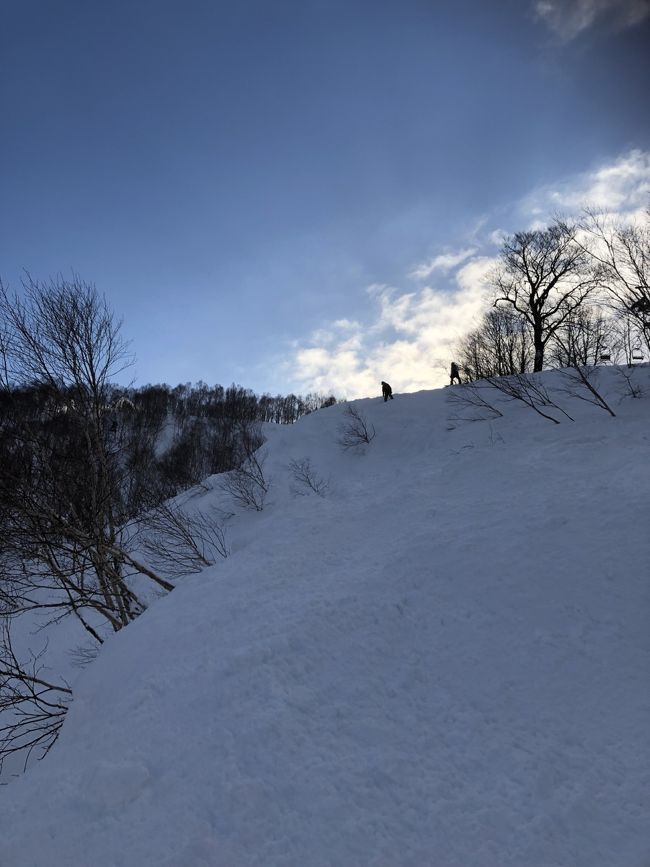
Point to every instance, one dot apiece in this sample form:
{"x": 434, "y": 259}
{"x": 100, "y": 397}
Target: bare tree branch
{"x": 355, "y": 431}
{"x": 525, "y": 389}
{"x": 33, "y": 707}
{"x": 178, "y": 543}
{"x": 307, "y": 479}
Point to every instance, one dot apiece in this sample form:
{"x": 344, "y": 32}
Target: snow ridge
{"x": 442, "y": 661}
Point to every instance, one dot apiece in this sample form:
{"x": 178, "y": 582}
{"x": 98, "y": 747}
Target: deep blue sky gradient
{"x": 234, "y": 174}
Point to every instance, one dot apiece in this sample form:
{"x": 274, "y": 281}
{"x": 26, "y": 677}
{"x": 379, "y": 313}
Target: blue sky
{"x": 306, "y": 194}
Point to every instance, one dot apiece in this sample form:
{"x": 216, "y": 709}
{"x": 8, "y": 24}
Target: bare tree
{"x": 178, "y": 543}
{"x": 355, "y": 430}
{"x": 500, "y": 346}
{"x": 473, "y": 402}
{"x": 52, "y": 563}
{"x": 476, "y": 401}
{"x": 61, "y": 486}
{"x": 307, "y": 479}
{"x": 622, "y": 252}
{"x": 581, "y": 382}
{"x": 247, "y": 484}
{"x": 633, "y": 388}
{"x": 545, "y": 275}
{"x": 584, "y": 338}
{"x": 531, "y": 392}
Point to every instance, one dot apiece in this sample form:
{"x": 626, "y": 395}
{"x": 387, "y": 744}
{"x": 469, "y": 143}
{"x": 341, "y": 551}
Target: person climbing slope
{"x": 455, "y": 374}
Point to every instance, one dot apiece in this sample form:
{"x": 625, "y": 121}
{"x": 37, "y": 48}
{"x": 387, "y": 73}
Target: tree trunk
{"x": 538, "y": 343}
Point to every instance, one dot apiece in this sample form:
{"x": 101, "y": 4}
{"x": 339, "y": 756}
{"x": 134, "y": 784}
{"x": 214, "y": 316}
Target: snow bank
{"x": 444, "y": 661}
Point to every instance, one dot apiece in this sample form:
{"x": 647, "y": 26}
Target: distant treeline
{"x": 234, "y": 402}
{"x": 165, "y": 439}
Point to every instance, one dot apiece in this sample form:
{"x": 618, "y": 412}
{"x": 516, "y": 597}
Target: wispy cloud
{"x": 442, "y": 262}
{"x": 408, "y": 338}
{"x": 621, "y": 186}
{"x": 569, "y": 18}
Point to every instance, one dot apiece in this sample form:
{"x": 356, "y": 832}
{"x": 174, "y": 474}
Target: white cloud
{"x": 497, "y": 237}
{"x": 408, "y": 341}
{"x": 443, "y": 262}
{"x": 569, "y": 18}
{"x": 408, "y": 338}
{"x": 622, "y": 186}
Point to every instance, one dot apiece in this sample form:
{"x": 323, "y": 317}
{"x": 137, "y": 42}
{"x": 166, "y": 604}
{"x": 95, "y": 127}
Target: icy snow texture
{"x": 444, "y": 662}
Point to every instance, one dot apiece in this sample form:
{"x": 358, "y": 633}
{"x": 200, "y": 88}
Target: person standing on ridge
{"x": 386, "y": 391}
{"x": 455, "y": 373}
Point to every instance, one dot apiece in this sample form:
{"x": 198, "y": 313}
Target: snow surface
{"x": 445, "y": 661}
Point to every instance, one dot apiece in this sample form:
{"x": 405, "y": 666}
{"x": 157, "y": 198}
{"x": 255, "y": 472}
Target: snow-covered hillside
{"x": 443, "y": 662}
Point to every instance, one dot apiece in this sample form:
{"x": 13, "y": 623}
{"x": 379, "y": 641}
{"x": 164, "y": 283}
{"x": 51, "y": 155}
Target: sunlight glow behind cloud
{"x": 407, "y": 341}
{"x": 408, "y": 338}
{"x": 620, "y": 186}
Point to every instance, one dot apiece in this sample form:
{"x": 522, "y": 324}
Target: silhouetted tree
{"x": 500, "y": 346}
{"x": 545, "y": 275}
{"x": 622, "y": 253}
{"x": 582, "y": 339}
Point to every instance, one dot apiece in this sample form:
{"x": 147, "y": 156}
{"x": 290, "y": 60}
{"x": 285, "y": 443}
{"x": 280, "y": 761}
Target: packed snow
{"x": 444, "y": 660}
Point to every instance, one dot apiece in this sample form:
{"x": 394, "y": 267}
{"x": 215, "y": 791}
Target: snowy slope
{"x": 442, "y": 662}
